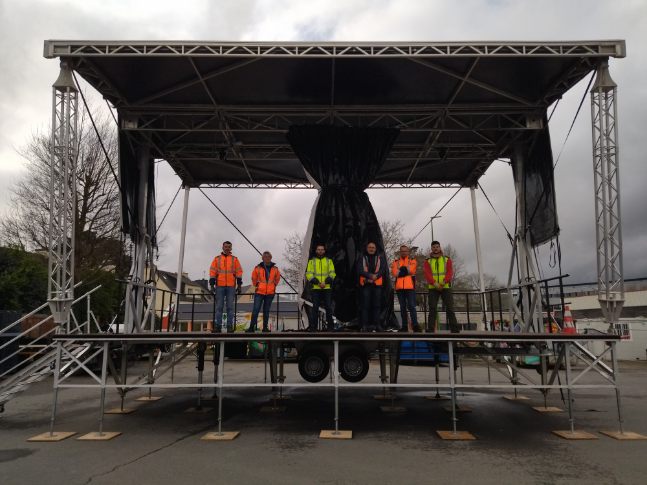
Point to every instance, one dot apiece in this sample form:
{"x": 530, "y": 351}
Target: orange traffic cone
{"x": 568, "y": 325}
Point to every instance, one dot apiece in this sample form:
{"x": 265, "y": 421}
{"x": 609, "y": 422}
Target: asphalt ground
{"x": 161, "y": 442}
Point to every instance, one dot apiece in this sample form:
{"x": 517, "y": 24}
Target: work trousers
{"x": 225, "y": 297}
{"x": 407, "y": 300}
{"x": 371, "y": 306}
{"x": 264, "y": 302}
{"x": 321, "y": 298}
{"x": 448, "y": 300}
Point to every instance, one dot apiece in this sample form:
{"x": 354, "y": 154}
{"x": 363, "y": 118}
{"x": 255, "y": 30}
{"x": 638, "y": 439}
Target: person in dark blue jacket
{"x": 373, "y": 270}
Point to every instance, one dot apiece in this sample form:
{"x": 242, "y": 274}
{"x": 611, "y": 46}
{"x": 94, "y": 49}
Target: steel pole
{"x": 479, "y": 259}
{"x": 180, "y": 259}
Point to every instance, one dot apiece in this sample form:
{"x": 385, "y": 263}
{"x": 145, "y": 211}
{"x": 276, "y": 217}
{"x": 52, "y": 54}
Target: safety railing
{"x": 20, "y": 347}
{"x": 489, "y": 310}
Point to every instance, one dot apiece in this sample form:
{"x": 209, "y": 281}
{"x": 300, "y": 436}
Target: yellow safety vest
{"x": 320, "y": 268}
{"x": 438, "y": 270}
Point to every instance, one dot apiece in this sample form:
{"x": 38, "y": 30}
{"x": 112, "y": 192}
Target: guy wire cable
{"x": 241, "y": 233}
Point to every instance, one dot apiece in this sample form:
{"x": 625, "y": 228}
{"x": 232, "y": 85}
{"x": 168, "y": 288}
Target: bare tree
{"x": 472, "y": 281}
{"x": 458, "y": 267}
{"x": 97, "y": 223}
{"x": 293, "y": 272}
{"x": 393, "y": 237}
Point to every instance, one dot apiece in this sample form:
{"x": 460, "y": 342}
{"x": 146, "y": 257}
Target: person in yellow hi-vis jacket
{"x": 320, "y": 273}
{"x": 439, "y": 273}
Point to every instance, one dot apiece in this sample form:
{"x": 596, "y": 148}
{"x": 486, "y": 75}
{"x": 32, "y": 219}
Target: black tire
{"x": 353, "y": 365}
{"x": 314, "y": 365}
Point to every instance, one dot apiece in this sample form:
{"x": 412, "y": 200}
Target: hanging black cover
{"x": 539, "y": 188}
{"x": 342, "y": 162}
{"x": 129, "y": 175}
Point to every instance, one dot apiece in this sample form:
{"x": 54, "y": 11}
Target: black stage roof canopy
{"x": 219, "y": 111}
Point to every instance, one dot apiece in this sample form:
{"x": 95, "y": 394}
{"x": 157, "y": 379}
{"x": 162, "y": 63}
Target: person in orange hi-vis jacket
{"x": 265, "y": 278}
{"x": 225, "y": 275}
{"x": 403, "y": 270}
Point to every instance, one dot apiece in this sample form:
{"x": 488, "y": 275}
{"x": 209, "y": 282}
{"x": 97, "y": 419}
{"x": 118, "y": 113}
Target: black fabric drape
{"x": 343, "y": 161}
{"x": 539, "y": 188}
{"x": 129, "y": 175}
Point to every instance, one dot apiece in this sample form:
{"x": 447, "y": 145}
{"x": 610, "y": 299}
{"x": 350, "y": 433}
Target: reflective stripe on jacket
{"x": 438, "y": 270}
{"x": 320, "y": 268}
{"x": 404, "y": 282}
{"x": 264, "y": 285}
{"x": 380, "y": 269}
{"x": 226, "y": 269}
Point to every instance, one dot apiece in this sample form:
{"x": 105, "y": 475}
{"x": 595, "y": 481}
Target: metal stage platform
{"x": 555, "y": 372}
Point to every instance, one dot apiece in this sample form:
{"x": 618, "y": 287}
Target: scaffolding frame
{"x": 565, "y": 346}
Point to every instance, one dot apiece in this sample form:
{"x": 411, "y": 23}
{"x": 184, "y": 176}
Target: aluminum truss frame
{"x": 563, "y": 345}
{"x": 62, "y": 201}
{"x": 608, "y": 224}
{"x": 145, "y": 115}
{"x": 72, "y": 48}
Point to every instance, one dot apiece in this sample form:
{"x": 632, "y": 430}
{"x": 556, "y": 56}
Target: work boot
{"x": 455, "y": 328}
{"x": 265, "y": 329}
{"x": 416, "y": 329}
{"x": 250, "y": 330}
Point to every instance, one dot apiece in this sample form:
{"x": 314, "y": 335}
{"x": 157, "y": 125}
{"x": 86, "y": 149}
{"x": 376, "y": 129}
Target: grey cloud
{"x": 269, "y": 216}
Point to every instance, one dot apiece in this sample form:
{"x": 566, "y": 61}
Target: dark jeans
{"x": 448, "y": 300}
{"x": 320, "y": 297}
{"x": 261, "y": 301}
{"x": 371, "y": 304}
{"x": 225, "y": 294}
{"x": 407, "y": 300}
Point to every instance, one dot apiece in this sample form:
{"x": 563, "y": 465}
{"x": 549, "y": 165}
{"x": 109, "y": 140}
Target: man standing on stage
{"x": 320, "y": 273}
{"x": 404, "y": 272}
{"x": 372, "y": 270}
{"x": 439, "y": 274}
{"x": 265, "y": 278}
{"x": 225, "y": 274}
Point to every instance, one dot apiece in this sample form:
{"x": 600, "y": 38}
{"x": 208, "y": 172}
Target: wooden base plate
{"x": 626, "y": 435}
{"x": 547, "y": 409}
{"x": 331, "y": 434}
{"x": 96, "y": 436}
{"x": 575, "y": 435}
{"x": 456, "y": 435}
{"x": 224, "y": 436}
{"x": 120, "y": 411}
{"x": 518, "y": 397}
{"x": 55, "y": 436}
{"x": 149, "y": 399}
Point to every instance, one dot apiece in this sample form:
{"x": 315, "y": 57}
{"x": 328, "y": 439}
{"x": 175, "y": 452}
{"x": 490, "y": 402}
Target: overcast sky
{"x": 267, "y": 216}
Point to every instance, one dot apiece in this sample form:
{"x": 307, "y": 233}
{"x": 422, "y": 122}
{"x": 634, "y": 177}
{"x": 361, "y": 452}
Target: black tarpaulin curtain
{"x": 129, "y": 175}
{"x": 342, "y": 162}
{"x": 539, "y": 188}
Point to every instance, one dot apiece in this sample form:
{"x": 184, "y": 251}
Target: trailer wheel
{"x": 314, "y": 365}
{"x": 353, "y": 365}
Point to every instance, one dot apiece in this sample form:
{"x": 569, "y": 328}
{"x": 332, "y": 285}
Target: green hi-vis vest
{"x": 438, "y": 270}
{"x": 320, "y": 269}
